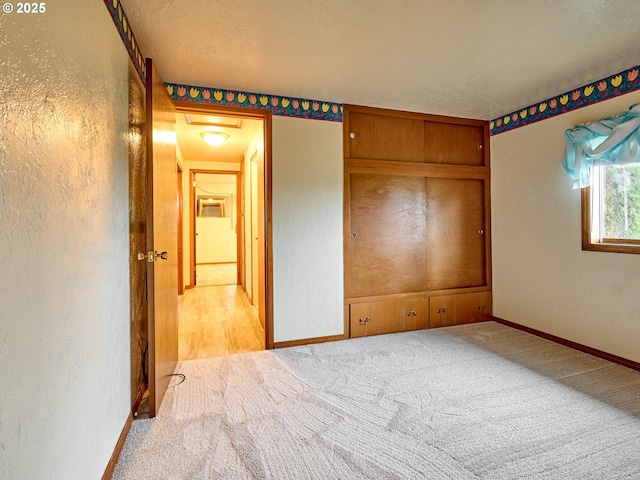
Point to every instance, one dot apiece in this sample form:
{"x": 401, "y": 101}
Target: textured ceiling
{"x": 194, "y": 148}
{"x": 471, "y": 58}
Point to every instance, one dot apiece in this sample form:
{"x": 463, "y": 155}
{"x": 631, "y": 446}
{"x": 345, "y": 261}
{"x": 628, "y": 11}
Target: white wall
{"x": 541, "y": 277}
{"x": 64, "y": 286}
{"x": 307, "y": 228}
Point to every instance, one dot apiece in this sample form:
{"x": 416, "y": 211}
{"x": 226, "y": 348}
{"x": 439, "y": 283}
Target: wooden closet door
{"x": 381, "y": 137}
{"x": 454, "y": 143}
{"x": 388, "y": 228}
{"x": 456, "y": 233}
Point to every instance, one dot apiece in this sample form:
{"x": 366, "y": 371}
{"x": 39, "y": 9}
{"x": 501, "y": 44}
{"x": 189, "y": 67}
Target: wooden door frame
{"x": 180, "y": 231}
{"x": 266, "y": 117}
{"x": 192, "y": 218}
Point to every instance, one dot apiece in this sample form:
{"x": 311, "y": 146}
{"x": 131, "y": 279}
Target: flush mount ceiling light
{"x": 214, "y": 138}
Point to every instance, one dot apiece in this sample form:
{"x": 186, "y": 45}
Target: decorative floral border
{"x": 126, "y": 34}
{"x": 283, "y": 106}
{"x": 607, "y": 88}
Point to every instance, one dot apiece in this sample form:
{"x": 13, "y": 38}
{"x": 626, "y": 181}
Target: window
{"x": 611, "y": 209}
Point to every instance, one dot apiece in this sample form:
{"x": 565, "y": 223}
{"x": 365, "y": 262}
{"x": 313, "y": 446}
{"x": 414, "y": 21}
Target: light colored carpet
{"x": 480, "y": 401}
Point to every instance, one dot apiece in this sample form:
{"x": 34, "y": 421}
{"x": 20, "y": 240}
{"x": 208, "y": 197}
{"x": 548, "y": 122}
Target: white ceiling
{"x": 194, "y": 148}
{"x": 470, "y": 58}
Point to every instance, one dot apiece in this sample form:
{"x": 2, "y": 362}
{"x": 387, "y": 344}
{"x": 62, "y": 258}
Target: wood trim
{"x": 108, "y": 472}
{"x": 568, "y": 343}
{"x": 425, "y": 294}
{"x": 415, "y": 169}
{"x": 607, "y": 245}
{"x": 192, "y": 218}
{"x": 310, "y": 341}
{"x": 346, "y": 108}
{"x": 239, "y": 226}
{"x": 268, "y": 228}
{"x": 266, "y": 117}
{"x": 585, "y": 203}
{"x": 221, "y": 110}
{"x": 346, "y": 145}
{"x": 487, "y": 146}
{"x": 487, "y": 232}
{"x": 346, "y": 243}
{"x": 192, "y": 230}
{"x": 180, "y": 231}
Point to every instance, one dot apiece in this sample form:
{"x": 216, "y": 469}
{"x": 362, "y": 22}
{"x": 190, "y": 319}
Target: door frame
{"x": 192, "y": 219}
{"x": 266, "y": 117}
{"x": 180, "y": 231}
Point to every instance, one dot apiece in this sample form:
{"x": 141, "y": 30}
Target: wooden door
{"x": 454, "y": 143}
{"x": 456, "y": 233}
{"x": 382, "y": 137}
{"x": 162, "y": 238}
{"x": 387, "y": 234}
{"x": 180, "y": 232}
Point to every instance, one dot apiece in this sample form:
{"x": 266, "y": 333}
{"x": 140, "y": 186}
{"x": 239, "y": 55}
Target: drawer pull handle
{"x": 442, "y": 310}
{"x": 482, "y": 307}
{"x": 364, "y": 322}
{"x": 412, "y": 312}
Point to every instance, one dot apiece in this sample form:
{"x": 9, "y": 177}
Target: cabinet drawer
{"x": 473, "y": 307}
{"x": 374, "y": 318}
{"x": 447, "y": 310}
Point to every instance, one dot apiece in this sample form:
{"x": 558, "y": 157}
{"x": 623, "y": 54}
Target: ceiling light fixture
{"x": 214, "y": 138}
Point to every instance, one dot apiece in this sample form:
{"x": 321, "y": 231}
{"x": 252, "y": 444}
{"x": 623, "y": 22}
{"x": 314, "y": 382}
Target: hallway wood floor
{"x": 217, "y": 320}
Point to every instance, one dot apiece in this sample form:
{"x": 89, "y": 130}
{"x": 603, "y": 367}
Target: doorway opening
{"x": 226, "y": 306}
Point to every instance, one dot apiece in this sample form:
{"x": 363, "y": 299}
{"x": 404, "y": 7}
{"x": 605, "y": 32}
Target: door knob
{"x": 153, "y": 256}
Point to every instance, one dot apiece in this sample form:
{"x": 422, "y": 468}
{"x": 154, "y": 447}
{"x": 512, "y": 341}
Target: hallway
{"x": 217, "y": 320}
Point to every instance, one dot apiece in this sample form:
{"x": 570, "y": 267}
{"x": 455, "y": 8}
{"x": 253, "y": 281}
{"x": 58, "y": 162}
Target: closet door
{"x": 454, "y": 143}
{"x": 388, "y": 228}
{"x": 456, "y": 233}
{"x": 382, "y": 137}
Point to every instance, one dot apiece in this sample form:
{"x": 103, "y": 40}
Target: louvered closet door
{"x": 388, "y": 228}
{"x": 456, "y": 233}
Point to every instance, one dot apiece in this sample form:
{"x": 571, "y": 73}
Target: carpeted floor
{"x": 480, "y": 401}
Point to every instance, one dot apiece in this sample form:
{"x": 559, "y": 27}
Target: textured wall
{"x": 541, "y": 277}
{"x": 64, "y": 286}
{"x": 307, "y": 228}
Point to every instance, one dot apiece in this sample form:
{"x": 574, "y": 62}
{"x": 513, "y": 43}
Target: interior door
{"x": 162, "y": 238}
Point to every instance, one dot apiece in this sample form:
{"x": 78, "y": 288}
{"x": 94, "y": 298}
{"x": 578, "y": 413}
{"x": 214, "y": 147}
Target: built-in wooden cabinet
{"x": 446, "y": 310}
{"x": 417, "y": 213}
{"x": 373, "y": 318}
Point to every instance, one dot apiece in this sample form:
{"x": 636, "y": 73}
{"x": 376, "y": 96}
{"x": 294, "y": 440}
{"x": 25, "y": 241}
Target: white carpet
{"x": 480, "y": 401}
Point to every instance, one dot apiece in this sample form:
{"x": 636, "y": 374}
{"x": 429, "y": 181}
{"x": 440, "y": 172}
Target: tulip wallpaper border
{"x": 279, "y": 105}
{"x": 126, "y": 35}
{"x": 613, "y": 86}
